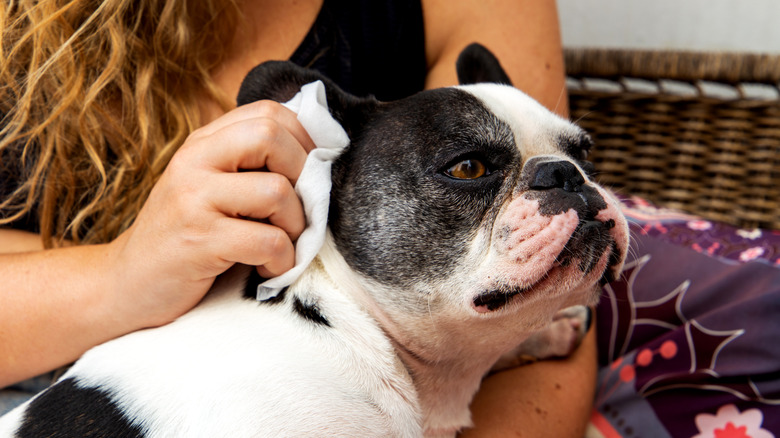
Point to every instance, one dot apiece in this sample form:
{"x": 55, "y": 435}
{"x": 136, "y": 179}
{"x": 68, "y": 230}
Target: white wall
{"x": 710, "y": 25}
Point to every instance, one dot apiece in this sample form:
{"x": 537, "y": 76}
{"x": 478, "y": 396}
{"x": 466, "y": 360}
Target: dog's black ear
{"x": 478, "y": 64}
{"x": 275, "y": 80}
{"x": 282, "y": 80}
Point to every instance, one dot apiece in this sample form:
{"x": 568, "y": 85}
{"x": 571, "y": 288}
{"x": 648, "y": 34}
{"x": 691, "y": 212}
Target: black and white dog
{"x": 462, "y": 221}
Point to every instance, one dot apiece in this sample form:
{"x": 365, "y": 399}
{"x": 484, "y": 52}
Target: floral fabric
{"x": 689, "y": 336}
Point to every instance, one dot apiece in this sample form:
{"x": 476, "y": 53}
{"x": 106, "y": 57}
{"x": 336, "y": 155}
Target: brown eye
{"x": 467, "y": 169}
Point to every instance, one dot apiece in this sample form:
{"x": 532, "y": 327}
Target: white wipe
{"x": 313, "y": 186}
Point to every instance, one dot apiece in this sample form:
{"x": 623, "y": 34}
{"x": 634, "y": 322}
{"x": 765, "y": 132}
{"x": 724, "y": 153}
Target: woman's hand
{"x": 201, "y": 217}
{"x": 226, "y": 197}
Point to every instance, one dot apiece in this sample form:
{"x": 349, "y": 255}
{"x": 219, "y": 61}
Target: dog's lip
{"x": 493, "y": 300}
{"x": 496, "y": 299}
{"x": 501, "y": 296}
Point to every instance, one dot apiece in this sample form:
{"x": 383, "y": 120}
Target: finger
{"x": 255, "y": 244}
{"x": 263, "y": 109}
{"x": 253, "y": 144}
{"x": 265, "y": 273}
{"x": 258, "y": 195}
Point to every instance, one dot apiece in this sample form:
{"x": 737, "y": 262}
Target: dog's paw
{"x": 559, "y": 339}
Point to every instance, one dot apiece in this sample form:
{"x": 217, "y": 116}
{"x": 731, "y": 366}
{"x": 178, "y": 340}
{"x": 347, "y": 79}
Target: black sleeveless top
{"x": 368, "y": 47}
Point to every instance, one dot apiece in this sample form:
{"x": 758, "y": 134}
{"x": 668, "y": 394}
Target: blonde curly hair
{"x": 95, "y": 97}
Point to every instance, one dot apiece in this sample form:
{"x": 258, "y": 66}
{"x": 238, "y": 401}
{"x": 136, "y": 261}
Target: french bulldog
{"x": 463, "y": 227}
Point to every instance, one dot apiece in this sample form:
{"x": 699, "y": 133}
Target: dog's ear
{"x": 276, "y": 80}
{"x": 478, "y": 64}
{"x": 282, "y": 80}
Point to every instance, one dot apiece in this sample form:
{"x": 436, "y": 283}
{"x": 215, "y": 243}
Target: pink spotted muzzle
{"x": 561, "y": 232}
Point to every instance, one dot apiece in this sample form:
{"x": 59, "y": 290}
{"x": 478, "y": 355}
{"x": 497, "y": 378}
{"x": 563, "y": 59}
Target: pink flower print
{"x": 710, "y": 250}
{"x": 731, "y": 431}
{"x": 654, "y": 226}
{"x": 668, "y": 349}
{"x": 627, "y": 373}
{"x": 699, "y": 225}
{"x": 728, "y": 422}
{"x": 750, "y": 234}
{"x": 751, "y": 254}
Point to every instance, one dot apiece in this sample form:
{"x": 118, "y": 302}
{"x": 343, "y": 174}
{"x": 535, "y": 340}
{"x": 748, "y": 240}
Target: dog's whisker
{"x": 579, "y": 119}
{"x": 561, "y": 96}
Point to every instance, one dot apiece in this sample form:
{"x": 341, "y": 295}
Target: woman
{"x": 120, "y": 139}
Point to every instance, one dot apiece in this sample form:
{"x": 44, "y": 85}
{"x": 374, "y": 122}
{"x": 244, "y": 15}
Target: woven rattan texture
{"x": 715, "y": 157}
{"x": 680, "y": 65}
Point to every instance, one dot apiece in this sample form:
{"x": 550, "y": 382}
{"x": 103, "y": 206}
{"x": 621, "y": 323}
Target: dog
{"x": 464, "y": 235}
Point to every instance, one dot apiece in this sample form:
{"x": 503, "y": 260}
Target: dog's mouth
{"x": 583, "y": 252}
{"x": 502, "y": 296}
{"x": 496, "y": 299}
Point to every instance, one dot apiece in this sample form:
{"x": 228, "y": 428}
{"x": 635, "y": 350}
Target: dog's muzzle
{"x": 559, "y": 186}
{"x": 560, "y": 228}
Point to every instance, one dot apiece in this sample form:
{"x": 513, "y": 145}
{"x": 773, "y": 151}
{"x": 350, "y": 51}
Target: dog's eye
{"x": 467, "y": 169}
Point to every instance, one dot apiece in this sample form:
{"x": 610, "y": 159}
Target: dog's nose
{"x": 556, "y": 174}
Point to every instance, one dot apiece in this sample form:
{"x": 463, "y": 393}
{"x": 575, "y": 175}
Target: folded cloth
{"x": 313, "y": 186}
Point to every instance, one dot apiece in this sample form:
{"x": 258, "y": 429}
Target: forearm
{"x": 550, "y": 398}
{"x": 55, "y": 306}
{"x": 523, "y": 34}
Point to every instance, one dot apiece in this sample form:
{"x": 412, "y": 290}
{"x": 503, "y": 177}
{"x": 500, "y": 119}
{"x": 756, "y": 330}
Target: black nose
{"x": 556, "y": 175}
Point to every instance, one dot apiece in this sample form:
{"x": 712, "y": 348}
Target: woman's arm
{"x": 552, "y": 398}
{"x": 548, "y": 398}
{"x": 53, "y": 326}
{"x": 54, "y": 307}
{"x": 523, "y": 34}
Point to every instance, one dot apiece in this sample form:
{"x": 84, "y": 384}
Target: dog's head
{"x": 464, "y": 203}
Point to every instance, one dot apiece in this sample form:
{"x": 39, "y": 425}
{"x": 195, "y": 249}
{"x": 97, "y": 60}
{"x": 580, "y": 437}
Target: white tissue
{"x": 313, "y": 186}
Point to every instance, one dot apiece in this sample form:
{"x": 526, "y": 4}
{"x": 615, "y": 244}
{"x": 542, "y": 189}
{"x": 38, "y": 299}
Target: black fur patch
{"x": 250, "y": 289}
{"x": 67, "y": 411}
{"x": 310, "y": 312}
{"x": 497, "y": 299}
{"x": 576, "y": 146}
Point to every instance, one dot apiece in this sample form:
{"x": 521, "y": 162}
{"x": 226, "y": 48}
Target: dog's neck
{"x": 445, "y": 388}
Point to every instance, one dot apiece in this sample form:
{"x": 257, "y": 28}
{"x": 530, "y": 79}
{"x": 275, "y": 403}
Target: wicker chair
{"x": 699, "y": 132}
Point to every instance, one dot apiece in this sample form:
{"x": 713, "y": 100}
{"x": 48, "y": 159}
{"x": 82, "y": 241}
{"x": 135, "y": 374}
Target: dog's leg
{"x": 559, "y": 339}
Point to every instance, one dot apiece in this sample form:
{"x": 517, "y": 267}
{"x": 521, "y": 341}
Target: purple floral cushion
{"x": 689, "y": 336}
